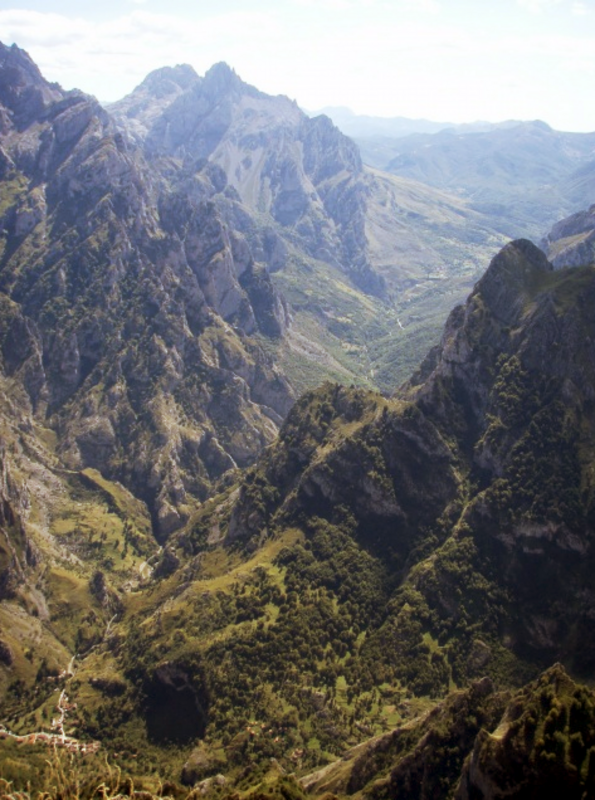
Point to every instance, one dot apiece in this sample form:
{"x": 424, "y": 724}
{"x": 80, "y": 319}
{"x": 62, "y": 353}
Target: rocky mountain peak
{"x": 328, "y": 151}
{"x": 166, "y": 80}
{"x": 138, "y": 112}
{"x": 19, "y": 60}
{"x": 304, "y": 173}
{"x": 23, "y": 90}
{"x": 496, "y": 304}
{"x": 510, "y": 275}
{"x": 221, "y": 79}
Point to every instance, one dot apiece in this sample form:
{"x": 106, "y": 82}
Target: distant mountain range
{"x": 361, "y": 126}
{"x": 524, "y": 175}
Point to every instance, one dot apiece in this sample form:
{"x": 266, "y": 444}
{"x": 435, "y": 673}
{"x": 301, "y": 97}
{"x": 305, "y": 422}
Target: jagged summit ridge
{"x": 221, "y": 79}
{"x": 24, "y": 93}
{"x": 304, "y": 174}
{"x": 173, "y": 106}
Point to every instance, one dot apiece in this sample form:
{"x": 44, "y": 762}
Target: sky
{"x": 443, "y": 60}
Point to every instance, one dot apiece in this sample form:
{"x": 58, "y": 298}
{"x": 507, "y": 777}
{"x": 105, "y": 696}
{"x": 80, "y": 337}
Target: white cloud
{"x": 537, "y": 6}
{"x": 433, "y": 6}
{"x": 580, "y": 9}
{"x": 385, "y": 6}
{"x": 35, "y": 28}
{"x": 551, "y": 46}
{"x": 577, "y": 8}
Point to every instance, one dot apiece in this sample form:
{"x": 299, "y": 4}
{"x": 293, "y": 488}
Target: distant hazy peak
{"x": 223, "y": 73}
{"x": 221, "y": 80}
{"x": 168, "y": 83}
{"x": 182, "y": 76}
{"x": 539, "y": 123}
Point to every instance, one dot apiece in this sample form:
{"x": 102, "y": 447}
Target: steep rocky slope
{"x": 129, "y": 326}
{"x": 301, "y": 172}
{"x": 543, "y": 745}
{"x": 571, "y": 241}
{"x": 479, "y": 743}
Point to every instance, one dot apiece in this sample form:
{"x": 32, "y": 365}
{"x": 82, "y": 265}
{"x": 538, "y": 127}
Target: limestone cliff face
{"x": 517, "y": 309}
{"x": 15, "y": 548}
{"x": 301, "y": 172}
{"x": 128, "y": 324}
{"x": 492, "y": 321}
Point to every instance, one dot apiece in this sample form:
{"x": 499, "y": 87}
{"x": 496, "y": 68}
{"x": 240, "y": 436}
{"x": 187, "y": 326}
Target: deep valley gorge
{"x": 297, "y": 450}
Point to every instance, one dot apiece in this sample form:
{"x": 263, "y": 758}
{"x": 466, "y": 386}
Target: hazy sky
{"x": 446, "y": 60}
